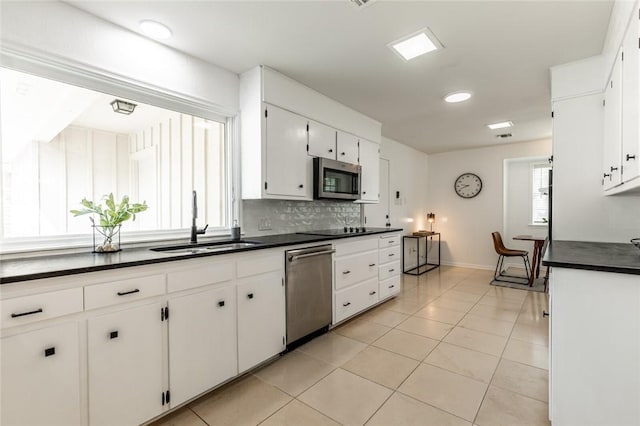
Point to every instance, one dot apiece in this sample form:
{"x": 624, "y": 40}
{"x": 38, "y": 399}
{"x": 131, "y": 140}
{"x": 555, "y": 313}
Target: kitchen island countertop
{"x": 55, "y": 265}
{"x": 594, "y": 256}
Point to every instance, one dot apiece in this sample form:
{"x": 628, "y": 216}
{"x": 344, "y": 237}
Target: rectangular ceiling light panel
{"x": 501, "y": 125}
{"x": 415, "y": 44}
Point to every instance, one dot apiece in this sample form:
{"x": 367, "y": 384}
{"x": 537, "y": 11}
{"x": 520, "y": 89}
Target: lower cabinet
{"x": 202, "y": 342}
{"x": 261, "y": 321}
{"x": 40, "y": 378}
{"x": 125, "y": 364}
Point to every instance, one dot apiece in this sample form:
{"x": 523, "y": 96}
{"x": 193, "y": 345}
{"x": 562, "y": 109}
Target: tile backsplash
{"x": 264, "y": 217}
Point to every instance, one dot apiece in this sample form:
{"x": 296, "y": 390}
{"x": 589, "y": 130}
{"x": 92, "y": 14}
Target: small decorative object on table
{"x": 111, "y": 217}
{"x": 636, "y": 242}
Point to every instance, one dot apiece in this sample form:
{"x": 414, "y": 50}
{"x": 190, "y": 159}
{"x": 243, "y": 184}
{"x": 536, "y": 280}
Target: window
{"x": 62, "y": 143}
{"x": 540, "y": 193}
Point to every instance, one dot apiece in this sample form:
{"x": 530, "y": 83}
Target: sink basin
{"x": 206, "y": 247}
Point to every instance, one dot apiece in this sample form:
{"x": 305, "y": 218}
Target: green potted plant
{"x": 111, "y": 216}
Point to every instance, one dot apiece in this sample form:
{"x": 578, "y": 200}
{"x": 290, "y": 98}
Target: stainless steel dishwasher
{"x": 308, "y": 273}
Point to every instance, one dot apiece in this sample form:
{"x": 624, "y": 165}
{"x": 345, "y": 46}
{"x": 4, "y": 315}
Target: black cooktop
{"x": 352, "y": 230}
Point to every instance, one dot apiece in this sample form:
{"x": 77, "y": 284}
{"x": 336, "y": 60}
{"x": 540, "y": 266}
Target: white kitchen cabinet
{"x": 322, "y": 140}
{"x": 261, "y": 319}
{"x": 631, "y": 101}
{"x": 125, "y": 362}
{"x": 594, "y": 348}
{"x": 612, "y": 175}
{"x": 40, "y": 378}
{"x": 288, "y": 168}
{"x": 369, "y": 153}
{"x": 202, "y": 342}
{"x": 347, "y": 147}
{"x": 355, "y": 268}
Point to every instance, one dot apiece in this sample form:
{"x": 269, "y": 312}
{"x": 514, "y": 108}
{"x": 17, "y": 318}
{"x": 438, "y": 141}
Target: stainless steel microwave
{"x": 336, "y": 179}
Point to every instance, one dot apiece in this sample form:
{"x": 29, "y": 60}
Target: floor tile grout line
{"x": 197, "y": 415}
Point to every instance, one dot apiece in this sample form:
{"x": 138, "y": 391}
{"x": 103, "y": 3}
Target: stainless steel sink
{"x": 206, "y": 247}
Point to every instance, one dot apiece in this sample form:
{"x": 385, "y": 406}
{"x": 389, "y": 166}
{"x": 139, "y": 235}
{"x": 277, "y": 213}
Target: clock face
{"x": 468, "y": 185}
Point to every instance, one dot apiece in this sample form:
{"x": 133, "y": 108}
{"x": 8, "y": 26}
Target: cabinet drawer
{"x": 359, "y": 245}
{"x": 24, "y": 310}
{"x": 199, "y": 276}
{"x": 353, "y": 269}
{"x": 389, "y": 270}
{"x": 100, "y": 295}
{"x": 353, "y": 300}
{"x": 255, "y": 265}
{"x": 389, "y": 254}
{"x": 389, "y": 287}
{"x": 389, "y": 241}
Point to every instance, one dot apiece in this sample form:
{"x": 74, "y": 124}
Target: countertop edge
{"x": 593, "y": 256}
{"x": 308, "y": 239}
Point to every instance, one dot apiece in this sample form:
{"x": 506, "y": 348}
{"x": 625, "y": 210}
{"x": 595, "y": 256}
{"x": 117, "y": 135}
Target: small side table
{"x": 417, "y": 238}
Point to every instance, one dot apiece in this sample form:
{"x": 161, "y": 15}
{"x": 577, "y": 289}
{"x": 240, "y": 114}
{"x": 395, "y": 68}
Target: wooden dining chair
{"x": 503, "y": 252}
{"x": 546, "y": 274}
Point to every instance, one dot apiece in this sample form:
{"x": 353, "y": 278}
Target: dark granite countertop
{"x": 605, "y": 257}
{"x": 48, "y": 266}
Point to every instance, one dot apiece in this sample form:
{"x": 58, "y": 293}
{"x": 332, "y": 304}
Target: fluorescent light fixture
{"x": 457, "y": 97}
{"x": 155, "y": 30}
{"x": 500, "y": 125}
{"x": 415, "y": 44}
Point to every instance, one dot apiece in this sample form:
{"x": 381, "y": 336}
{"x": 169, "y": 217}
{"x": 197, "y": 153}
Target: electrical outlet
{"x": 264, "y": 224}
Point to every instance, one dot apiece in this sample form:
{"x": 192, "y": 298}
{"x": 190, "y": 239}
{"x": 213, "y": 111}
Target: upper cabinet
{"x": 284, "y": 124}
{"x": 631, "y": 101}
{"x": 612, "y": 173}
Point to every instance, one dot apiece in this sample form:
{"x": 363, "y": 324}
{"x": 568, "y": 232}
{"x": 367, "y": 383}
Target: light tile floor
{"x": 449, "y": 350}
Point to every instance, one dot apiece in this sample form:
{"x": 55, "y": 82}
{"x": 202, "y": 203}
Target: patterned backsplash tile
{"x": 265, "y": 217}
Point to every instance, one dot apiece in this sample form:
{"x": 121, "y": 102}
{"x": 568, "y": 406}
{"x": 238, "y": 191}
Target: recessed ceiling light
{"x": 500, "y": 125}
{"x": 415, "y": 44}
{"x": 457, "y": 97}
{"x": 155, "y": 30}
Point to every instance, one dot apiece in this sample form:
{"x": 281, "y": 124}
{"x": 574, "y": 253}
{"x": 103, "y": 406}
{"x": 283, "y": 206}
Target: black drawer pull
{"x": 372, "y": 264}
{"x": 630, "y": 157}
{"x": 391, "y": 254}
{"x": 300, "y": 186}
{"x": 346, "y": 304}
{"x": 371, "y": 293}
{"x": 124, "y": 293}
{"x": 113, "y": 335}
{"x": 391, "y": 270}
{"x": 37, "y": 311}
{"x": 250, "y": 296}
{"x": 391, "y": 286}
{"x": 391, "y": 242}
{"x": 346, "y": 272}
{"x": 221, "y": 303}
{"x": 545, "y": 314}
{"x": 49, "y": 351}
{"x": 330, "y": 150}
{"x": 342, "y": 153}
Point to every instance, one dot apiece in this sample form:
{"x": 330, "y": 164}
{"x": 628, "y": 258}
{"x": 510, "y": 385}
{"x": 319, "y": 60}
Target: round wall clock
{"x": 468, "y": 185}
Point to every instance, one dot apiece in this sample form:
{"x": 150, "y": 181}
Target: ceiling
{"x": 499, "y": 50}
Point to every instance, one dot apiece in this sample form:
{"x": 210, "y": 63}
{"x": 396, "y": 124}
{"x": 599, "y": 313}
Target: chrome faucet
{"x": 194, "y": 215}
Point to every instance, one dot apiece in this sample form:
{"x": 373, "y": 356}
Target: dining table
{"x": 538, "y": 243}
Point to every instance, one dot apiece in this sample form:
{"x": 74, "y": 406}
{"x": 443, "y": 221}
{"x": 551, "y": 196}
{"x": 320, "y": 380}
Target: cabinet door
{"x": 322, "y": 140}
{"x": 40, "y": 378}
{"x": 288, "y": 167}
{"x": 125, "y": 366}
{"x": 202, "y": 342}
{"x": 370, "y": 162}
{"x": 613, "y": 127}
{"x": 261, "y": 324}
{"x": 631, "y": 101}
{"x": 347, "y": 145}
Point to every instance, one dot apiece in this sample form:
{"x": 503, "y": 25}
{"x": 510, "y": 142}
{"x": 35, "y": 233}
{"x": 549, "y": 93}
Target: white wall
{"x": 54, "y": 30}
{"x": 466, "y": 224}
{"x": 407, "y": 174}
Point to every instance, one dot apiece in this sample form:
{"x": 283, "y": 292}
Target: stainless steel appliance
{"x": 308, "y": 281}
{"x": 336, "y": 179}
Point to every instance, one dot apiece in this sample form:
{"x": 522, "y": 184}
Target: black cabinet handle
{"x": 124, "y": 293}
{"x": 221, "y": 303}
{"x": 391, "y": 286}
{"x": 250, "y": 296}
{"x": 50, "y": 351}
{"x": 391, "y": 270}
{"x": 391, "y": 254}
{"x": 545, "y": 314}
{"x": 113, "y": 335}
{"x": 371, "y": 293}
{"x": 342, "y": 153}
{"x": 346, "y": 272}
{"x": 630, "y": 157}
{"x": 372, "y": 264}
{"x": 364, "y": 192}
{"x": 613, "y": 169}
{"x": 22, "y": 314}
{"x": 301, "y": 186}
{"x": 606, "y": 175}
{"x": 330, "y": 150}
{"x": 391, "y": 242}
{"x": 346, "y": 304}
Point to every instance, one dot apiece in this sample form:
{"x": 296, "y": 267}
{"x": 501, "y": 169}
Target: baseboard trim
{"x": 469, "y": 265}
